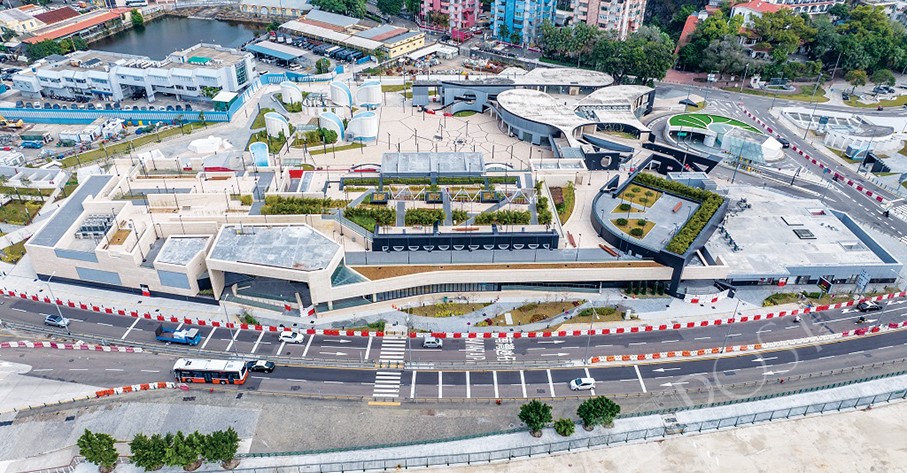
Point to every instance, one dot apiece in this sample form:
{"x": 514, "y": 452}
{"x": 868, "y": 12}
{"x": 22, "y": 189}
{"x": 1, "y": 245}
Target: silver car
{"x": 56, "y": 321}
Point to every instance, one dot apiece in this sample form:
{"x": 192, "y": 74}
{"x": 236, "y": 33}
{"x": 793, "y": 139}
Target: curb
{"x": 367, "y": 333}
{"x": 71, "y": 346}
{"x": 822, "y": 166}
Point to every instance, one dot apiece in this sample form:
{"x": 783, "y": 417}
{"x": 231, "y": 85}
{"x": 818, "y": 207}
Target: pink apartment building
{"x": 620, "y": 16}
{"x": 463, "y": 13}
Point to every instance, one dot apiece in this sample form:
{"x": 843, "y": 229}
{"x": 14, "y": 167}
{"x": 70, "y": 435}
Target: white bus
{"x": 194, "y": 370}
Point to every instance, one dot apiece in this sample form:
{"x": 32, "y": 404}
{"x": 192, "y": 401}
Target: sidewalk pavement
{"x": 17, "y": 391}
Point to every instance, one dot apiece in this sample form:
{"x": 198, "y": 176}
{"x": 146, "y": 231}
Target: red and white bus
{"x": 193, "y": 370}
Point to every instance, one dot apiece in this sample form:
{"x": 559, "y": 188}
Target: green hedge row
{"x": 277, "y": 205}
{"x": 459, "y": 216}
{"x": 424, "y": 216}
{"x": 381, "y": 215}
{"x": 505, "y": 217}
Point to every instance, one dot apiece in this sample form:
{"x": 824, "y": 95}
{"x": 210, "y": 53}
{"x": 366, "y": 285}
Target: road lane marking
{"x": 18, "y": 309}
{"x": 307, "y": 345}
{"x": 113, "y": 369}
{"x": 42, "y": 369}
{"x": 669, "y": 341}
{"x": 78, "y": 369}
{"x": 282, "y": 344}
{"x": 208, "y": 339}
{"x": 635, "y": 343}
{"x": 232, "y": 340}
{"x": 589, "y": 376}
{"x": 734, "y": 335}
{"x": 412, "y": 387}
{"x": 111, "y": 325}
{"x": 257, "y": 342}
{"x": 550, "y": 383}
{"x": 151, "y": 371}
{"x": 639, "y": 377}
{"x": 468, "y": 387}
{"x": 368, "y": 348}
{"x": 601, "y": 346}
{"x": 130, "y": 329}
{"x": 440, "y": 386}
{"x": 333, "y": 382}
{"x": 763, "y": 331}
{"x": 702, "y": 338}
{"x": 494, "y": 376}
{"x": 523, "y": 383}
{"x": 826, "y": 357}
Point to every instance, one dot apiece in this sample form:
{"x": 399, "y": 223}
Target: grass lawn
{"x": 332, "y": 148}
{"x": 802, "y": 94}
{"x": 465, "y": 113}
{"x": 259, "y": 121}
{"x": 535, "y": 312}
{"x": 12, "y": 254}
{"x": 14, "y": 211}
{"x": 617, "y": 210}
{"x": 703, "y": 120}
{"x": 840, "y": 154}
{"x": 123, "y": 147}
{"x": 792, "y": 297}
{"x": 564, "y": 201}
{"x": 363, "y": 221}
{"x": 601, "y": 314}
{"x": 636, "y": 194}
{"x": 634, "y": 223}
{"x": 395, "y": 87}
{"x": 446, "y": 309}
{"x": 897, "y": 102}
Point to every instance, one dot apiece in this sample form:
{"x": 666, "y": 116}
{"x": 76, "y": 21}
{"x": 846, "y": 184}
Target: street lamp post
{"x": 53, "y": 298}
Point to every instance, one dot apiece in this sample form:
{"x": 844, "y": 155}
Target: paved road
{"x": 123, "y": 330}
{"x": 115, "y": 369}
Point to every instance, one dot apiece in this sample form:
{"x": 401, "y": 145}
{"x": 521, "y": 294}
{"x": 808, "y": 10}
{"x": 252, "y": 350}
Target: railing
{"x": 609, "y": 439}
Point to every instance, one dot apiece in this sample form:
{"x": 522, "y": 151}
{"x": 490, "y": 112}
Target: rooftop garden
{"x": 709, "y": 203}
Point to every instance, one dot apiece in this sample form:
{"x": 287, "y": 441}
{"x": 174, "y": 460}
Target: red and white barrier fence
{"x": 838, "y": 176}
{"x": 135, "y": 388}
{"x": 71, "y": 346}
{"x": 366, "y": 333}
{"x": 705, "y": 298}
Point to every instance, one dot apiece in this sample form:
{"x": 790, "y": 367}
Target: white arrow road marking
{"x": 668, "y": 385}
{"x": 338, "y": 353}
{"x": 770, "y": 373}
{"x": 338, "y": 340}
{"x": 758, "y": 360}
{"x": 554, "y": 342}
{"x": 662, "y": 370}
{"x": 554, "y": 354}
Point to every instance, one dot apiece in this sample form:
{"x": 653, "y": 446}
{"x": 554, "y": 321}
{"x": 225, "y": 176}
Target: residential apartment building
{"x": 276, "y": 8}
{"x": 19, "y": 21}
{"x": 520, "y": 21}
{"x": 620, "y": 16}
{"x": 111, "y": 76}
{"x": 463, "y": 13}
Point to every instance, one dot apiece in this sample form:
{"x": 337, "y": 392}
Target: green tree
{"x": 322, "y": 66}
{"x": 714, "y": 27}
{"x": 726, "y": 56}
{"x": 137, "y": 18}
{"x": 182, "y": 450}
{"x": 826, "y": 41}
{"x": 43, "y": 49}
{"x": 274, "y": 25}
{"x": 503, "y": 31}
{"x": 536, "y": 415}
{"x": 675, "y": 27}
{"x": 221, "y": 446}
{"x": 597, "y": 411}
{"x": 868, "y": 40}
{"x": 564, "y": 427}
{"x": 883, "y": 76}
{"x": 345, "y": 7}
{"x": 856, "y": 78}
{"x": 784, "y": 30}
{"x": 98, "y": 449}
{"x": 79, "y": 44}
{"x": 413, "y": 6}
{"x": 390, "y": 7}
{"x": 840, "y": 10}
{"x": 148, "y": 453}
{"x": 329, "y": 136}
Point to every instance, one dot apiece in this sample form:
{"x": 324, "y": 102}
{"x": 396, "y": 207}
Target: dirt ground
{"x": 861, "y": 441}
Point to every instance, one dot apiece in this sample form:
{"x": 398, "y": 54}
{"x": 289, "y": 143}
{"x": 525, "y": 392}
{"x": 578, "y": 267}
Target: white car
{"x": 582, "y": 384}
{"x": 291, "y": 337}
{"x": 432, "y": 342}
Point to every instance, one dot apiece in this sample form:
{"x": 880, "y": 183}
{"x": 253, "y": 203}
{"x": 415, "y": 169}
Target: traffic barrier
{"x": 499, "y": 334}
{"x": 135, "y": 388}
{"x": 71, "y": 346}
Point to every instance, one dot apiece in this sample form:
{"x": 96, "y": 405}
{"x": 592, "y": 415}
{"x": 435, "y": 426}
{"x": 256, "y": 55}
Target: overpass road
{"x": 125, "y": 330}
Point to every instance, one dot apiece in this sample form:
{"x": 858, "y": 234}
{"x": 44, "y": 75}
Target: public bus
{"x": 192, "y": 370}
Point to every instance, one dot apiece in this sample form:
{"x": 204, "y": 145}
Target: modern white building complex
{"x": 193, "y": 72}
{"x": 290, "y": 92}
{"x": 276, "y": 124}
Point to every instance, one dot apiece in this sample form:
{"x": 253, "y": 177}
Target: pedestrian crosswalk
{"x": 387, "y": 383}
{"x": 900, "y": 211}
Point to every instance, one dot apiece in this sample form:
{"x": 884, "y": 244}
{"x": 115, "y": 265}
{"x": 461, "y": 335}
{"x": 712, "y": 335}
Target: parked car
{"x": 432, "y": 342}
{"x": 291, "y": 337}
{"x": 868, "y": 306}
{"x": 582, "y": 384}
{"x": 784, "y": 142}
{"x": 56, "y": 321}
{"x": 262, "y": 366}
{"x": 20, "y": 104}
{"x": 37, "y": 104}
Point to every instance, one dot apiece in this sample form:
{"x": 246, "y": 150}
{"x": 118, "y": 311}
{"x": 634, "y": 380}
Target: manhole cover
{"x": 295, "y": 388}
{"x": 540, "y": 391}
{"x": 69, "y": 418}
{"x": 189, "y": 398}
{"x": 239, "y": 396}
